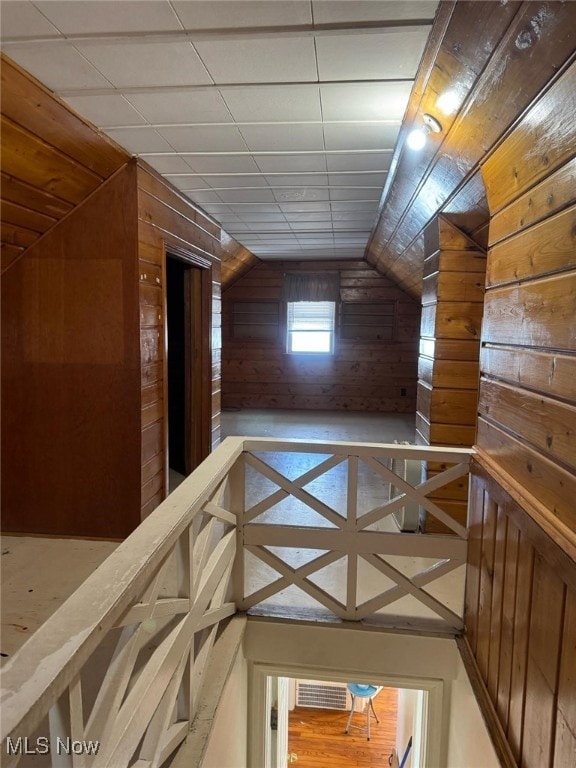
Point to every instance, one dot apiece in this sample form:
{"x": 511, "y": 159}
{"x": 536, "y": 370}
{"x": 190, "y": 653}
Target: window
{"x": 310, "y": 327}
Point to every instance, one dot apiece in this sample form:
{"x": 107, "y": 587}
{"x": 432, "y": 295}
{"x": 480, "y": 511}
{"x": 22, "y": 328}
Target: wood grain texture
{"x": 317, "y": 736}
{"x": 543, "y": 249}
{"x": 550, "y": 196}
{"x": 506, "y": 178}
{"x": 363, "y": 375}
{"x": 52, "y": 160}
{"x": 501, "y": 71}
{"x": 448, "y": 366}
{"x": 71, "y": 388}
{"x": 169, "y": 223}
{"x": 546, "y": 627}
{"x": 520, "y": 626}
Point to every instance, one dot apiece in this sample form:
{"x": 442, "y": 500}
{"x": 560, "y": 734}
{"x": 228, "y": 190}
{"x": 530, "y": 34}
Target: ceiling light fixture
{"x": 417, "y": 138}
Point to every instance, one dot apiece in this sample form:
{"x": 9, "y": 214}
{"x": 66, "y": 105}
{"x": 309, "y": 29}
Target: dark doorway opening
{"x": 188, "y": 364}
{"x": 177, "y": 323}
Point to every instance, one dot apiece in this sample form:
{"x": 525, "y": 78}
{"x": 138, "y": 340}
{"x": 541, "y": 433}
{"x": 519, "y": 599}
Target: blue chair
{"x": 363, "y": 691}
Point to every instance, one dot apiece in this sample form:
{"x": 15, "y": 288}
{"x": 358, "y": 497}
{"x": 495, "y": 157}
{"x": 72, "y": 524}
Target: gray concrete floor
{"x": 320, "y": 425}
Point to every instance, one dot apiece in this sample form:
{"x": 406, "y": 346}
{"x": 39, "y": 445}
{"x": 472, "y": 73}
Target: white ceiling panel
{"x": 57, "y": 66}
{"x": 301, "y": 194}
{"x": 354, "y": 205}
{"x": 365, "y": 101}
{"x": 225, "y": 182}
{"x": 304, "y": 207}
{"x": 257, "y": 60}
{"x": 291, "y": 163}
{"x": 181, "y": 106}
{"x": 139, "y": 140}
{"x": 357, "y": 180}
{"x": 215, "y": 209}
{"x": 268, "y": 226}
{"x": 312, "y": 226}
{"x": 360, "y": 136}
{"x": 19, "y": 18}
{"x": 259, "y": 208}
{"x": 394, "y": 53}
{"x": 112, "y": 110}
{"x": 366, "y": 216}
{"x": 373, "y": 161}
{"x": 202, "y": 197}
{"x": 298, "y": 180}
{"x": 109, "y": 16}
{"x": 226, "y": 14}
{"x": 372, "y": 10}
{"x": 246, "y": 114}
{"x": 167, "y": 164}
{"x": 268, "y": 103}
{"x": 147, "y": 64}
{"x": 207, "y": 164}
{"x": 246, "y": 195}
{"x": 204, "y": 138}
{"x": 272, "y": 138}
{"x": 294, "y": 218}
{"x": 344, "y": 193}
{"x": 237, "y": 229}
{"x": 254, "y": 218}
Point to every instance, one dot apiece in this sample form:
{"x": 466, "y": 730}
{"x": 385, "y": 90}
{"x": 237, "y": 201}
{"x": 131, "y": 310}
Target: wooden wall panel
{"x": 520, "y": 626}
{"x": 498, "y": 71}
{"x": 237, "y": 260}
{"x": 526, "y": 438}
{"x": 448, "y": 366}
{"x": 361, "y": 376}
{"x": 529, "y": 345}
{"x": 168, "y": 221}
{"x": 51, "y": 160}
{"x": 70, "y": 374}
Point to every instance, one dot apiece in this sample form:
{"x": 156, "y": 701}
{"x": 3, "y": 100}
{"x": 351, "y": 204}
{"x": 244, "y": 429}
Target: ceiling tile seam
{"x": 269, "y": 152}
{"x": 245, "y": 123}
{"x": 153, "y": 89}
{"x": 223, "y": 34}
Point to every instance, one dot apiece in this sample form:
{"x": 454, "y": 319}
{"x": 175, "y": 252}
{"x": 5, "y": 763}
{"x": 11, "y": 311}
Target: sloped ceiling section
{"x": 484, "y": 63}
{"x": 51, "y": 161}
{"x": 278, "y": 117}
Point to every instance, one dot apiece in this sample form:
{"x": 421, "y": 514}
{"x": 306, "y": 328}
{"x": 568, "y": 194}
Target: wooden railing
{"x": 113, "y": 678}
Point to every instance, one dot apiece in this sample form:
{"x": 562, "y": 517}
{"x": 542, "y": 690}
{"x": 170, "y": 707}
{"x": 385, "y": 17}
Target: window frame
{"x": 333, "y": 331}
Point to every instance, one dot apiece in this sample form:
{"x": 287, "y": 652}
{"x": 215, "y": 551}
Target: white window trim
{"x": 326, "y": 319}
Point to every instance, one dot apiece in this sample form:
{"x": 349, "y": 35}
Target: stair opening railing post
{"x": 236, "y": 502}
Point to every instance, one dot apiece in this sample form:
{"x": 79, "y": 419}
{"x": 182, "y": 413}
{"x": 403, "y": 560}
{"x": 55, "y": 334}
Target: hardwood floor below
{"x": 317, "y": 736}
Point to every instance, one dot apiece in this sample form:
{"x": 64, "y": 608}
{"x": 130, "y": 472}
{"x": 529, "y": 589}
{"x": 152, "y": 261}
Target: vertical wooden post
{"x": 237, "y": 505}
{"x": 448, "y": 369}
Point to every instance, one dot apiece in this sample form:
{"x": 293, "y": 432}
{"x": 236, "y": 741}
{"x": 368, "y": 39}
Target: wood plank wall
{"x": 448, "y": 367}
{"x": 70, "y": 373}
{"x": 167, "y": 220}
{"x": 51, "y": 160}
{"x": 521, "y": 580}
{"x": 236, "y": 260}
{"x": 521, "y": 627}
{"x": 497, "y": 72}
{"x": 529, "y": 340}
{"x": 360, "y": 376}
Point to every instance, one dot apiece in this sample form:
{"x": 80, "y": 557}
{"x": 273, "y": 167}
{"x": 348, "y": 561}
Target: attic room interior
{"x": 213, "y": 215}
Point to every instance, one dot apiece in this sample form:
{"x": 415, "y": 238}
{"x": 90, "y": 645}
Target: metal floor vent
{"x": 321, "y": 696}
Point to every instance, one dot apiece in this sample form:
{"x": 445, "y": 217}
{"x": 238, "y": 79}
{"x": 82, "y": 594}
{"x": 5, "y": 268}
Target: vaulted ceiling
{"x": 278, "y": 118}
